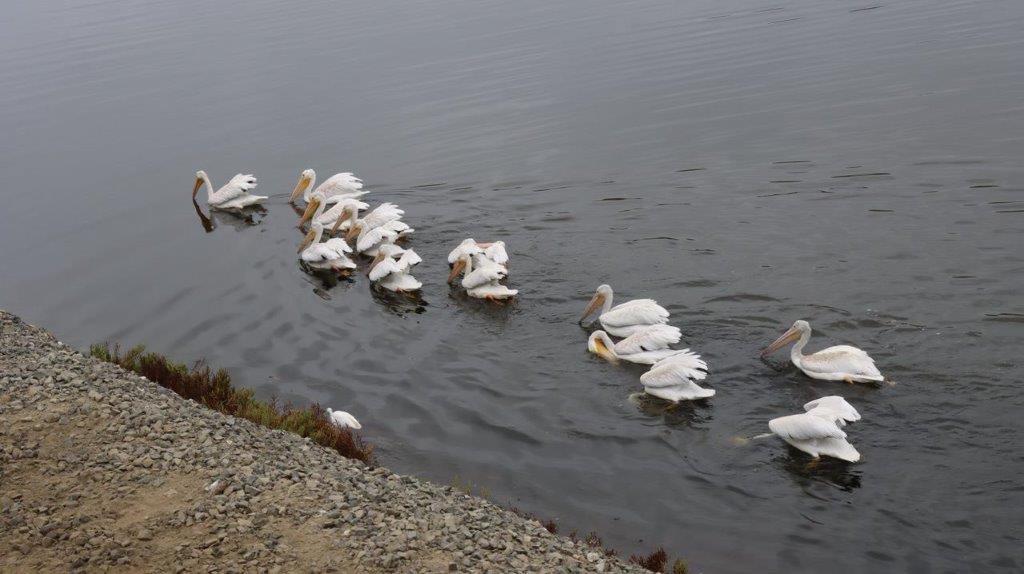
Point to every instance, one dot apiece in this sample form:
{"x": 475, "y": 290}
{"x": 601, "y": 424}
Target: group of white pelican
{"x": 646, "y": 338}
{"x": 641, "y": 324}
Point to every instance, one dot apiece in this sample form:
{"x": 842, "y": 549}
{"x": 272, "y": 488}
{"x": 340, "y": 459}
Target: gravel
{"x": 102, "y": 469}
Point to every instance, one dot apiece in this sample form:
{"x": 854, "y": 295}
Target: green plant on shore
{"x": 214, "y": 389}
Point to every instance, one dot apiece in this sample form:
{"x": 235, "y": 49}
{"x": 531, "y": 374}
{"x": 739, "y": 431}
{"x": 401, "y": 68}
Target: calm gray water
{"x": 856, "y": 163}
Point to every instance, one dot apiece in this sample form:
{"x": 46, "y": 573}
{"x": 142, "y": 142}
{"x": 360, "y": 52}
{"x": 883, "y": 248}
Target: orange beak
{"x": 596, "y": 302}
{"x": 786, "y": 338}
{"x": 195, "y": 190}
{"x": 299, "y": 188}
{"x": 456, "y": 269}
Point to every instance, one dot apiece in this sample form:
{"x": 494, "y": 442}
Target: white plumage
{"x": 233, "y": 195}
{"x": 672, "y": 378}
{"x": 394, "y": 274}
{"x": 623, "y": 319}
{"x": 495, "y": 251}
{"x": 342, "y": 419}
{"x": 482, "y": 277}
{"x": 316, "y": 210}
{"x": 331, "y": 254}
{"x": 368, "y": 241}
{"x": 818, "y": 431}
{"x": 631, "y": 348}
{"x": 839, "y": 363}
{"x": 339, "y": 186}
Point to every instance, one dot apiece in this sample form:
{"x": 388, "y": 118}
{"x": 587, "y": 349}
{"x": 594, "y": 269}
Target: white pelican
{"x": 672, "y": 378}
{"x": 234, "y": 195}
{"x": 384, "y": 215}
{"x": 839, "y": 363}
{"x": 645, "y": 346}
{"x": 484, "y": 281}
{"x": 818, "y": 431}
{"x": 316, "y": 210}
{"x": 369, "y": 241}
{"x": 337, "y": 187}
{"x": 495, "y": 251}
{"x": 393, "y": 274}
{"x": 331, "y": 254}
{"x": 341, "y": 419}
{"x": 627, "y": 317}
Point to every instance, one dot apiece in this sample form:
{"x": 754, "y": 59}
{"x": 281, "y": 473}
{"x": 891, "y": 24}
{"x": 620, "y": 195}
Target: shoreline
{"x": 103, "y": 469}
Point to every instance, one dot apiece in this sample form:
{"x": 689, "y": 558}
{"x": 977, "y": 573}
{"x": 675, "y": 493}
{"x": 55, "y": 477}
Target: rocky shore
{"x": 101, "y": 469}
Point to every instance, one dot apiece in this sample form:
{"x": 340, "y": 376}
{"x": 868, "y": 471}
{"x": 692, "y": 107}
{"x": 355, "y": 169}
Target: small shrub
{"x": 214, "y": 389}
{"x": 655, "y": 562}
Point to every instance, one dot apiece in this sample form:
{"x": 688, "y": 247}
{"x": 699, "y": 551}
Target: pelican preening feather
{"x": 335, "y": 188}
{"x": 233, "y": 195}
{"x": 839, "y": 363}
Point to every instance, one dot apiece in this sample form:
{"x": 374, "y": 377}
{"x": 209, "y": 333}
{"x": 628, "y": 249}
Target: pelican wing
{"x": 398, "y": 226}
{"x": 345, "y": 183}
{"x": 636, "y": 312}
{"x": 343, "y": 419}
{"x": 467, "y": 247}
{"x": 650, "y": 338}
{"x": 318, "y": 253}
{"x": 382, "y": 214}
{"x": 408, "y": 259}
{"x": 679, "y": 369}
{"x": 374, "y": 236}
{"x": 833, "y": 407}
{"x": 386, "y": 267}
{"x": 804, "y": 427}
{"x": 483, "y": 275}
{"x": 239, "y": 185}
{"x": 496, "y": 253}
{"x": 842, "y": 359}
{"x": 338, "y": 245}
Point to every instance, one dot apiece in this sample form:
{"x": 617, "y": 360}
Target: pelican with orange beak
{"x": 337, "y": 187}
{"x": 331, "y": 254}
{"x": 336, "y": 217}
{"x": 624, "y": 319}
{"x": 390, "y": 269}
{"x": 483, "y": 282}
{"x": 645, "y": 346}
{"x": 839, "y": 363}
{"x": 233, "y": 196}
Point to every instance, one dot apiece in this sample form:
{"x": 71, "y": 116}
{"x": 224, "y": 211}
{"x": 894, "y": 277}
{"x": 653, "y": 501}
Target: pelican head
{"x": 310, "y": 236}
{"x": 799, "y": 328}
{"x": 458, "y": 267}
{"x": 354, "y": 228}
{"x": 200, "y": 178}
{"x": 305, "y": 179}
{"x": 603, "y": 293}
{"x": 349, "y": 211}
{"x": 601, "y": 345}
{"x": 315, "y": 201}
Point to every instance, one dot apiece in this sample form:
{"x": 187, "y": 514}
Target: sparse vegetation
{"x": 214, "y": 389}
{"x": 655, "y": 562}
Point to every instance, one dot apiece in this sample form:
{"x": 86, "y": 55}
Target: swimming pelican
{"x": 495, "y": 251}
{"x": 337, "y": 187}
{"x": 484, "y": 281}
{"x": 839, "y": 363}
{"x": 393, "y": 274}
{"x": 672, "y": 378}
{"x": 316, "y": 210}
{"x": 386, "y": 215}
{"x": 234, "y": 194}
{"x": 627, "y": 317}
{"x": 341, "y": 419}
{"x": 331, "y": 254}
{"x": 818, "y": 431}
{"x": 645, "y": 346}
{"x": 369, "y": 241}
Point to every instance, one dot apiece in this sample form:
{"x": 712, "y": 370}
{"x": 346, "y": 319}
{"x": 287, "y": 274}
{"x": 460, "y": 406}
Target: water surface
{"x": 856, "y": 164}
